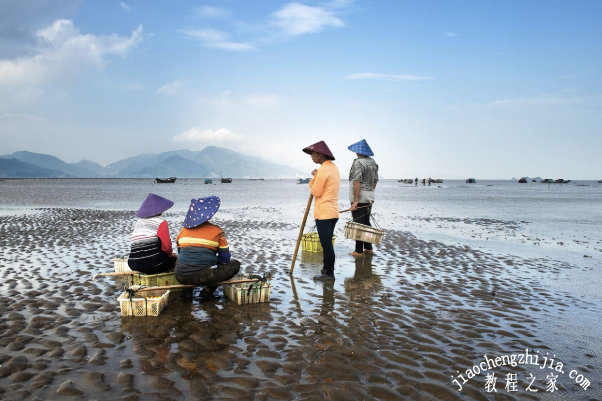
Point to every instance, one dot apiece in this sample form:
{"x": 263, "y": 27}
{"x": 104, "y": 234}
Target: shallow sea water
{"x": 464, "y": 270}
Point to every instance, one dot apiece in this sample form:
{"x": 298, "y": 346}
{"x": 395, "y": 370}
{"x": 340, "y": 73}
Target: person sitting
{"x": 202, "y": 245}
{"x": 151, "y": 251}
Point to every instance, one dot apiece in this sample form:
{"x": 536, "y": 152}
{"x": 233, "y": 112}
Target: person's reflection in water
{"x": 363, "y": 279}
{"x": 327, "y": 298}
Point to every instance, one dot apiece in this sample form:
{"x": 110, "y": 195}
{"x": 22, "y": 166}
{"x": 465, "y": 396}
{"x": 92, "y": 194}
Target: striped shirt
{"x": 150, "y": 243}
{"x": 198, "y": 246}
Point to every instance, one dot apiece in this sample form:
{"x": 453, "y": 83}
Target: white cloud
{"x": 171, "y": 88}
{"x": 207, "y": 136}
{"x": 216, "y": 39}
{"x": 212, "y": 12}
{"x": 298, "y": 19}
{"x": 63, "y": 52}
{"x": 451, "y": 34}
{"x": 125, "y": 7}
{"x": 541, "y": 100}
{"x": 387, "y": 77}
{"x": 263, "y": 100}
{"x": 21, "y": 117}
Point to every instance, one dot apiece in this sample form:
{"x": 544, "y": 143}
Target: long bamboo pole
{"x": 130, "y": 273}
{"x": 169, "y": 287}
{"x": 311, "y": 197}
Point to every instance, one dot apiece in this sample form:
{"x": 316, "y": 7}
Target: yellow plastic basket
{"x": 147, "y": 303}
{"x": 310, "y": 242}
{"x": 155, "y": 280}
{"x": 247, "y": 293}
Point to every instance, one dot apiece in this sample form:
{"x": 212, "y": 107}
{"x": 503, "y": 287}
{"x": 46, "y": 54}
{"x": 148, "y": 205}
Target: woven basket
{"x": 147, "y": 303}
{"x": 310, "y": 242}
{"x": 247, "y": 293}
{"x": 361, "y": 232}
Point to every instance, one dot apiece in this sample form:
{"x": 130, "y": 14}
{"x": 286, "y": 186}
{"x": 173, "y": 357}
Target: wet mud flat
{"x": 400, "y": 325}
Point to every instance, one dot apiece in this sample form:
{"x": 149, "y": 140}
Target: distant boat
{"x": 208, "y": 181}
{"x": 561, "y": 181}
{"x": 226, "y": 180}
{"x": 169, "y": 180}
{"x": 406, "y": 181}
{"x": 303, "y": 180}
{"x": 522, "y": 181}
{"x": 471, "y": 181}
{"x": 599, "y": 181}
{"x": 437, "y": 181}
{"x": 547, "y": 181}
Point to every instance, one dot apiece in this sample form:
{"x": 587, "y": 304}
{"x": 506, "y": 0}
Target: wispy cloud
{"x": 64, "y": 52}
{"x": 171, "y": 88}
{"x": 216, "y": 39}
{"x": 229, "y": 101}
{"x": 451, "y": 34}
{"x": 541, "y": 100}
{"x": 387, "y": 77}
{"x": 125, "y": 7}
{"x": 211, "y": 12}
{"x": 263, "y": 100}
{"x": 298, "y": 19}
{"x": 207, "y": 136}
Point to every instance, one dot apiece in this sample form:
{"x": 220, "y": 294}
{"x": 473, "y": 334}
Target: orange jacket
{"x": 325, "y": 188}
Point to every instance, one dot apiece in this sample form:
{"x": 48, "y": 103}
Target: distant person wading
{"x": 363, "y": 178}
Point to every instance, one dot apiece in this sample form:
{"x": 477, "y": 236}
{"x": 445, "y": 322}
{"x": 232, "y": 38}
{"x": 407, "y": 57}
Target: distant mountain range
{"x": 209, "y": 162}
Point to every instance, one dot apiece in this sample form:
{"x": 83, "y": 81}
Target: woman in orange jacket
{"x": 325, "y": 186}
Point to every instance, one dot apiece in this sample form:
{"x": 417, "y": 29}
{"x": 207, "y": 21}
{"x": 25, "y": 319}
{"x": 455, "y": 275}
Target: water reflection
{"x": 363, "y": 278}
{"x": 327, "y": 298}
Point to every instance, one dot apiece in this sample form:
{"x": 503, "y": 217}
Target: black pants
{"x": 167, "y": 265}
{"x": 362, "y": 216}
{"x": 325, "y": 231}
{"x": 210, "y": 277}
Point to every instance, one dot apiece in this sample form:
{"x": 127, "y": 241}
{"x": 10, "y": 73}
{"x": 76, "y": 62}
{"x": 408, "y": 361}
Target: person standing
{"x": 324, "y": 186}
{"x": 363, "y": 178}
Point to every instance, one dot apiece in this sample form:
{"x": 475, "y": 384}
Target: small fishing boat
{"x": 522, "y": 181}
{"x": 169, "y": 180}
{"x": 561, "y": 181}
{"x": 303, "y": 180}
{"x": 437, "y": 181}
{"x": 471, "y": 181}
{"x": 599, "y": 181}
{"x": 547, "y": 181}
{"x": 226, "y": 180}
{"x": 208, "y": 181}
{"x": 406, "y": 181}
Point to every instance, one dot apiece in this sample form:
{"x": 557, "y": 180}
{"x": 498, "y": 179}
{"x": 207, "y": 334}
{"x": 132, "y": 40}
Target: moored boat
{"x": 303, "y": 180}
{"x": 471, "y": 181}
{"x": 169, "y": 180}
{"x": 208, "y": 181}
{"x": 226, "y": 180}
{"x": 522, "y": 181}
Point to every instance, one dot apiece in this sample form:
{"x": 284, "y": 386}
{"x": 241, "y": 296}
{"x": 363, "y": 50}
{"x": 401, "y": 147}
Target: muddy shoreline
{"x": 402, "y": 324}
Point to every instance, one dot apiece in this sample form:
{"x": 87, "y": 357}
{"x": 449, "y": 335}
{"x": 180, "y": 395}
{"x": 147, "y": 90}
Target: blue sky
{"x": 447, "y": 89}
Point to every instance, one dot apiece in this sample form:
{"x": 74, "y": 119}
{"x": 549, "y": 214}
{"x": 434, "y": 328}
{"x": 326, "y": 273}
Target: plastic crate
{"x": 361, "y": 232}
{"x": 310, "y": 242}
{"x": 155, "y": 280}
{"x": 121, "y": 264}
{"x": 247, "y": 293}
{"x": 147, "y": 303}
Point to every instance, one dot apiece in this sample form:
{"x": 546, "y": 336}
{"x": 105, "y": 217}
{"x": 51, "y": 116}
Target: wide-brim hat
{"x": 153, "y": 205}
{"x": 319, "y": 147}
{"x": 201, "y": 210}
{"x": 362, "y": 148}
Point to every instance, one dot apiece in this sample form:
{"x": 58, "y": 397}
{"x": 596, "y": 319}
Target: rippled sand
{"x": 399, "y": 325}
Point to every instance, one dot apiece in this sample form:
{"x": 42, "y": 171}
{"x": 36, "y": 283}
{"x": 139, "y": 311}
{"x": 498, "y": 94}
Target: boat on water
{"x": 547, "y": 181}
{"x": 561, "y": 181}
{"x": 406, "y": 181}
{"x": 169, "y": 180}
{"x": 522, "y": 181}
{"x": 226, "y": 180}
{"x": 437, "y": 181}
{"x": 208, "y": 181}
{"x": 471, "y": 181}
{"x": 303, "y": 180}
{"x": 599, "y": 181}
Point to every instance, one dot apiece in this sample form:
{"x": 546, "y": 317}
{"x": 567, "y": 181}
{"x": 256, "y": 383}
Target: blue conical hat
{"x": 201, "y": 210}
{"x": 362, "y": 148}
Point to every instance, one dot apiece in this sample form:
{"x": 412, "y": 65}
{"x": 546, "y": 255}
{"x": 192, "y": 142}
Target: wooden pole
{"x": 169, "y": 287}
{"x": 311, "y": 197}
{"x": 116, "y": 274}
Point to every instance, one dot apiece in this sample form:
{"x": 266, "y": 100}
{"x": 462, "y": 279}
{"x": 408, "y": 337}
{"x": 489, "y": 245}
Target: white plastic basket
{"x": 361, "y": 232}
{"x": 143, "y": 303}
{"x": 121, "y": 265}
{"x": 247, "y": 293}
